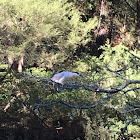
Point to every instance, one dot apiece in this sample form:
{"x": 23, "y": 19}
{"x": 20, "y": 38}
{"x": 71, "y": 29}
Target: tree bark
{"x": 138, "y": 24}
{"x": 20, "y": 65}
{"x": 102, "y": 30}
{"x": 102, "y": 12}
{"x": 17, "y": 65}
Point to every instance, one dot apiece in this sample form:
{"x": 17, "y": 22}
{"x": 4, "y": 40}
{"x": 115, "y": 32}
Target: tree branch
{"x": 132, "y": 89}
{"x": 37, "y": 106}
{"x": 90, "y": 87}
{"x": 116, "y": 72}
{"x": 127, "y": 124}
{"x": 134, "y": 55}
{"x": 130, "y": 6}
{"x": 133, "y": 105}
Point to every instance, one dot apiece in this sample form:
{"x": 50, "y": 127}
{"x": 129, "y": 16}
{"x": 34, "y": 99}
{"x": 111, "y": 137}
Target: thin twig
{"x": 134, "y": 55}
{"x": 127, "y": 124}
{"x": 134, "y": 105}
{"x": 130, "y": 6}
{"x": 132, "y": 89}
{"x": 116, "y": 72}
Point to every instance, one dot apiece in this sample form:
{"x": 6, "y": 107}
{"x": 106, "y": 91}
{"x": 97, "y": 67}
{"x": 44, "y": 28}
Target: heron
{"x": 62, "y": 76}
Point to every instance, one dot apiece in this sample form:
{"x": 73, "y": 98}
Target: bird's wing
{"x": 57, "y": 76}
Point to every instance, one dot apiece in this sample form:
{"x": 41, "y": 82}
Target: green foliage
{"x": 119, "y": 57}
{"x": 95, "y": 72}
{"x": 53, "y": 34}
{"x": 48, "y": 33}
{"x": 103, "y": 122}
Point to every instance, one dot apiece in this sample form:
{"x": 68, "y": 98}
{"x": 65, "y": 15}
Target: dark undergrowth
{"x": 33, "y": 128}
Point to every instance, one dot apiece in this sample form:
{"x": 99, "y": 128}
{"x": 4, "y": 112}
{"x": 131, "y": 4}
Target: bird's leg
{"x": 59, "y": 87}
{"x": 54, "y": 85}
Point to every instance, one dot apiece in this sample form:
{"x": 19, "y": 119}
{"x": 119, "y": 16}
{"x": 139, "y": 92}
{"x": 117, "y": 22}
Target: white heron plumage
{"x": 62, "y": 76}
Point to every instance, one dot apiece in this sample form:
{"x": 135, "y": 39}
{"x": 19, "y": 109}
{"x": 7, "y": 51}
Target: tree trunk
{"x": 102, "y": 30}
{"x": 20, "y": 65}
{"x": 138, "y": 24}
{"x": 17, "y": 65}
{"x": 102, "y": 12}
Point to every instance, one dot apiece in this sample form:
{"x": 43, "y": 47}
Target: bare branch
{"x": 123, "y": 69}
{"x": 116, "y": 72}
{"x": 9, "y": 103}
{"x": 129, "y": 110}
{"x": 130, "y": 6}
{"x": 134, "y": 55}
{"x": 127, "y": 124}
{"x": 90, "y": 87}
{"x": 133, "y": 105}
{"x": 37, "y": 106}
{"x": 132, "y": 89}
